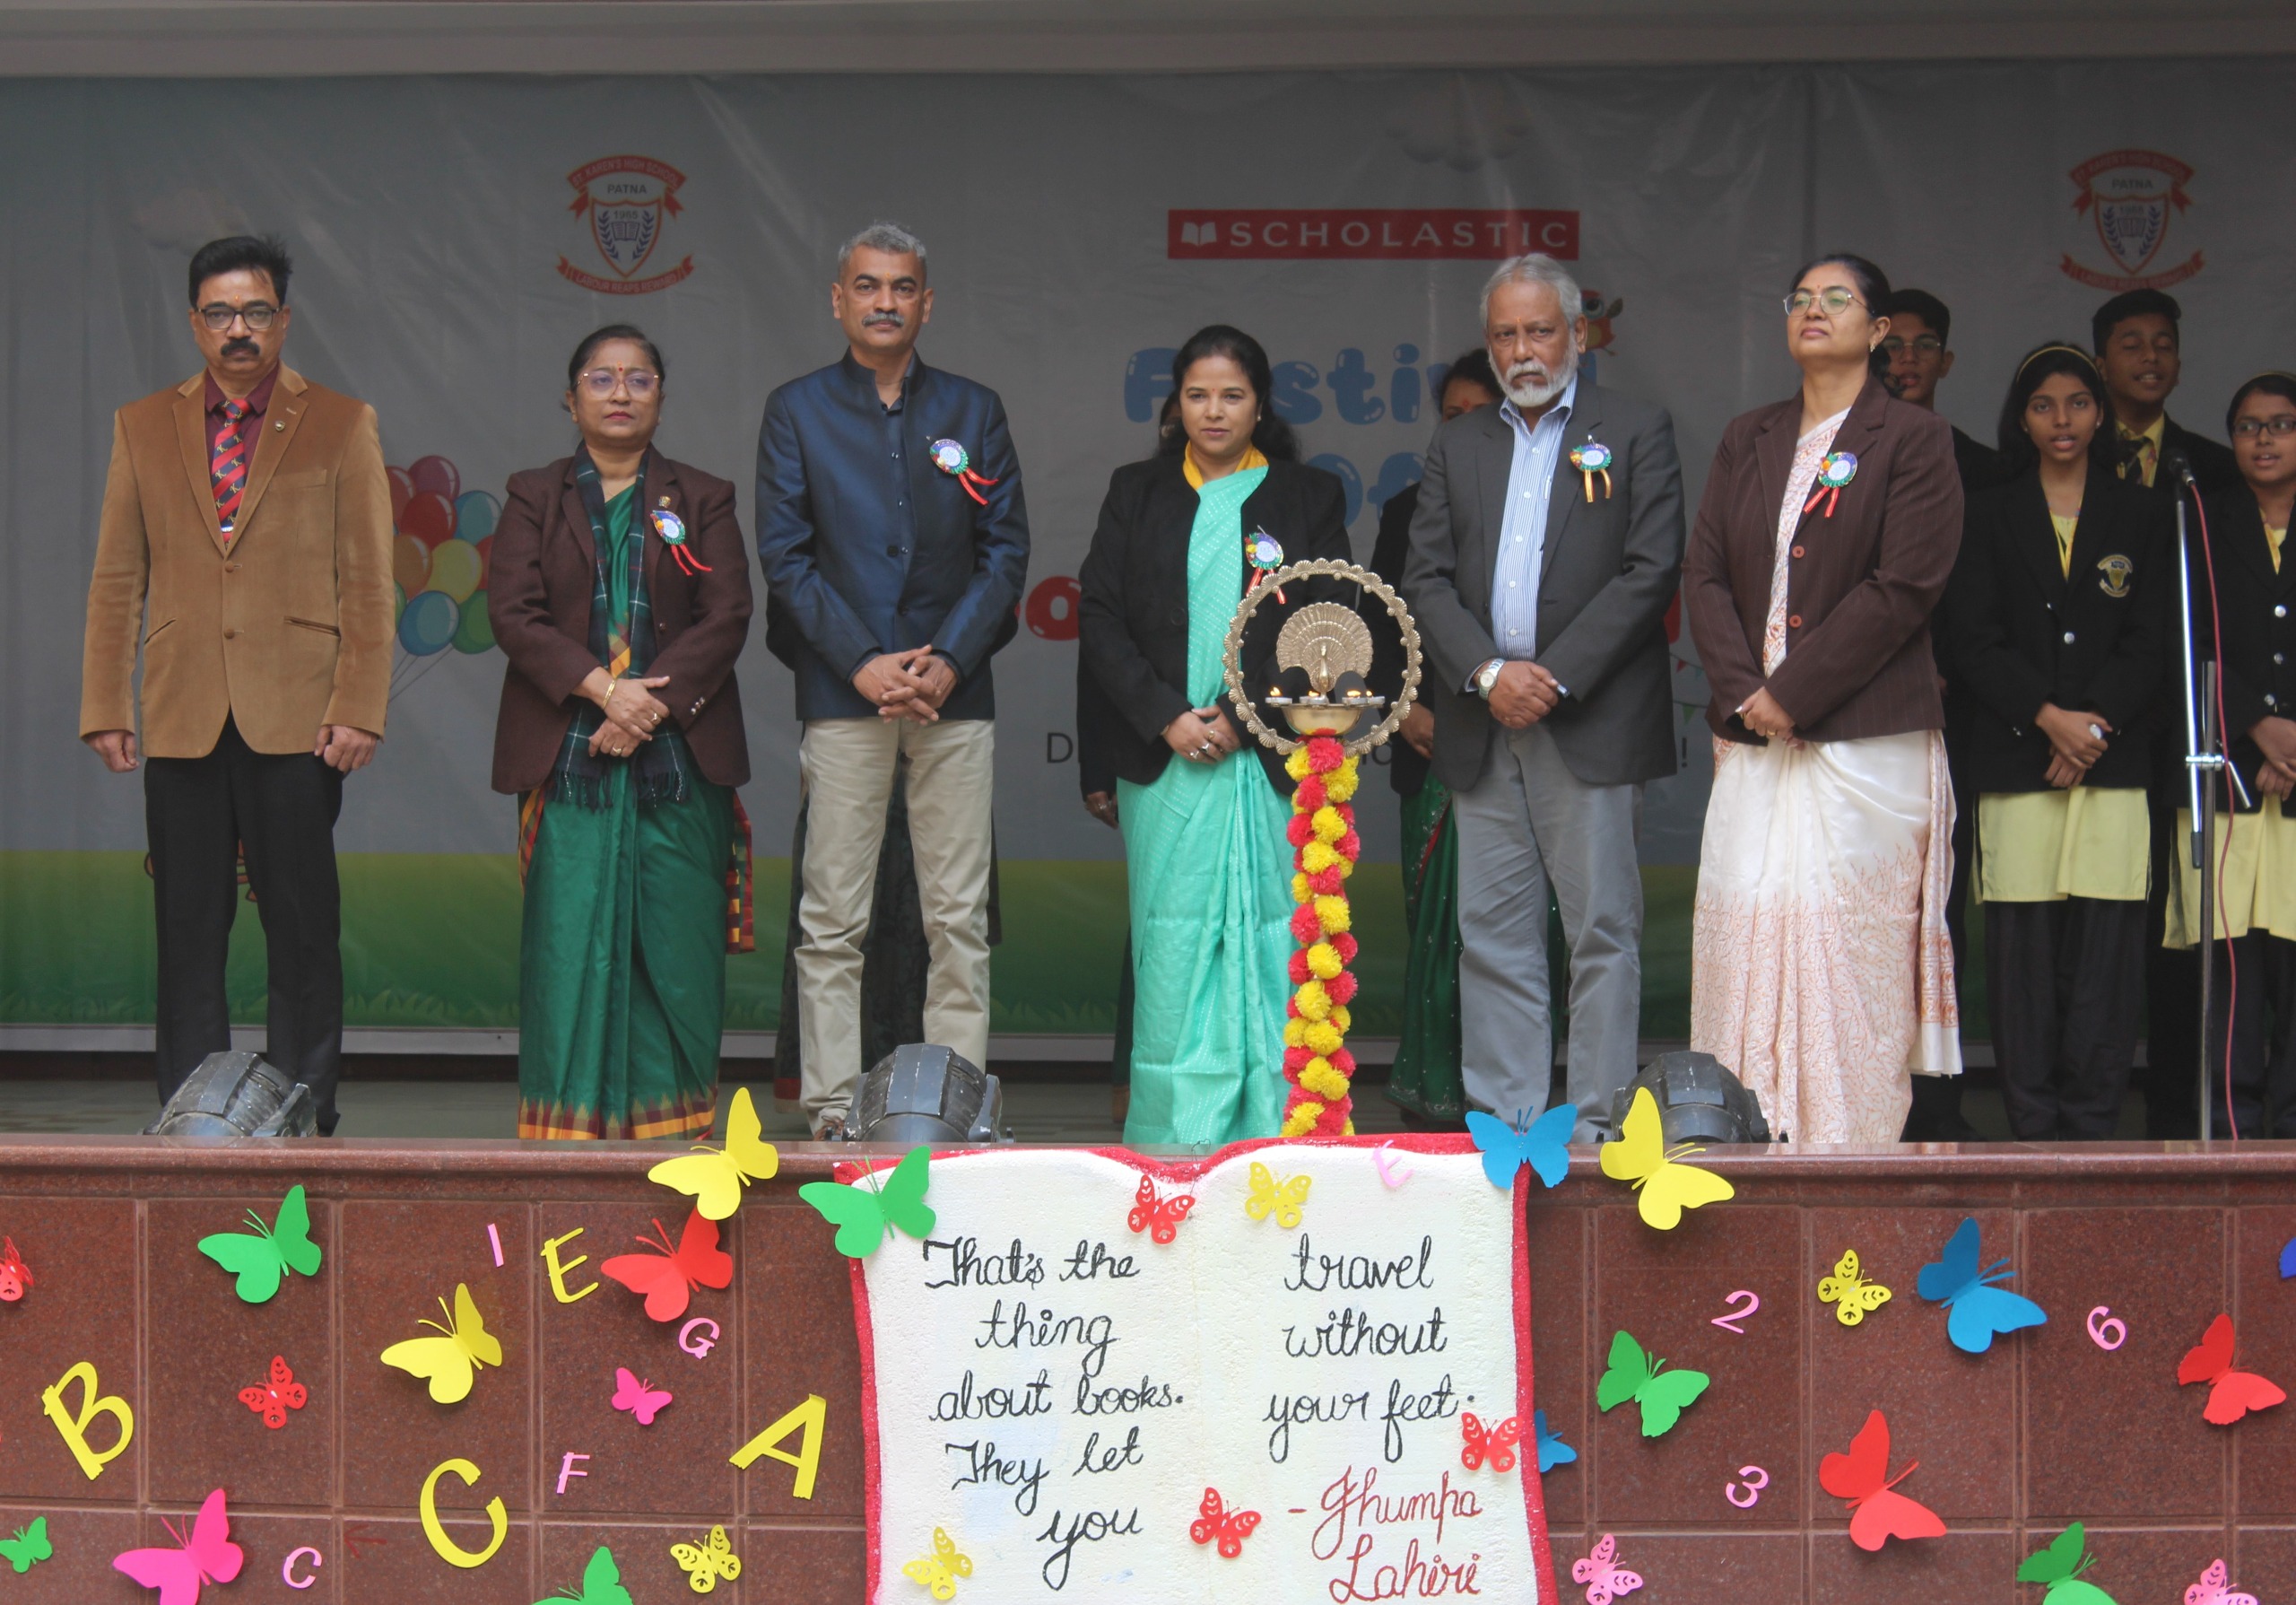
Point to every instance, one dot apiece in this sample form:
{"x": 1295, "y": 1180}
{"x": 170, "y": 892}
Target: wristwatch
{"x": 1487, "y": 677}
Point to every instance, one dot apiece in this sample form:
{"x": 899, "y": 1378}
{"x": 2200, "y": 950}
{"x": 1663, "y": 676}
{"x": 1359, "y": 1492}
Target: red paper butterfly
{"x": 2232, "y": 1394}
{"x": 1497, "y": 1440}
{"x": 1159, "y": 1218}
{"x": 283, "y": 1394}
{"x": 1863, "y": 1477}
{"x": 1229, "y": 1527}
{"x": 668, "y": 1276}
{"x": 15, "y": 1276}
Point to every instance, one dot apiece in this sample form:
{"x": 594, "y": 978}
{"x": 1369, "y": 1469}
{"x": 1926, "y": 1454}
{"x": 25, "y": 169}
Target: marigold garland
{"x": 1325, "y": 848}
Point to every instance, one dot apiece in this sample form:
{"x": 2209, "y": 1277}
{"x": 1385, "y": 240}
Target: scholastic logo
{"x": 626, "y": 202}
{"x": 1369, "y": 234}
{"x": 2132, "y": 197}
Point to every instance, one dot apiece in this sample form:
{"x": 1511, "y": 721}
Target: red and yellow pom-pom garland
{"x": 1325, "y": 848}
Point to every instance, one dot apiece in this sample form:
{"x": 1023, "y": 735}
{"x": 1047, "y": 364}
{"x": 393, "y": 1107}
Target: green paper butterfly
{"x": 1634, "y": 1374}
{"x": 862, "y": 1214}
{"x": 29, "y": 1547}
{"x": 262, "y": 1257}
{"x": 2060, "y": 1566}
{"x": 601, "y": 1584}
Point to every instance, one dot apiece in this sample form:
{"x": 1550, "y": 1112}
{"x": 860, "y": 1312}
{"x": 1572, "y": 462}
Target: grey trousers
{"x": 1529, "y": 823}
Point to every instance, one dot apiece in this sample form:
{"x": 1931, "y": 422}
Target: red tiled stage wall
{"x": 2046, "y": 1428}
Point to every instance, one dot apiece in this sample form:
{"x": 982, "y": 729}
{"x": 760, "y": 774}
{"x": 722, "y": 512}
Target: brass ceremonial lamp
{"x": 1322, "y": 654}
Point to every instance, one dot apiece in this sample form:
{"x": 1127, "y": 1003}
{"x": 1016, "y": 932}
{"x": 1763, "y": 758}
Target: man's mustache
{"x": 885, "y": 319}
{"x": 240, "y": 344}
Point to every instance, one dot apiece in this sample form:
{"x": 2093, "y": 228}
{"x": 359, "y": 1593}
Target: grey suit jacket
{"x": 1607, "y": 576}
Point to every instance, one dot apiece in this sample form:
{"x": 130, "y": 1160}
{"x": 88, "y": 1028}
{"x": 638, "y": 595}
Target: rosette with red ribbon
{"x": 672, "y": 529}
{"x": 1834, "y": 474}
{"x": 953, "y": 460}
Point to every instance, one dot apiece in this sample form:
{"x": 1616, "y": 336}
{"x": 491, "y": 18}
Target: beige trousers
{"x": 846, "y": 768}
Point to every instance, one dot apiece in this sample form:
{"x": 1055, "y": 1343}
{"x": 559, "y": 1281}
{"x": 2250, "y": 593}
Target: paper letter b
{"x": 74, "y": 1428}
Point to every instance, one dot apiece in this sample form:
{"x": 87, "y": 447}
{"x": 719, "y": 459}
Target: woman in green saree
{"x": 618, "y": 590}
{"x": 1210, "y": 870}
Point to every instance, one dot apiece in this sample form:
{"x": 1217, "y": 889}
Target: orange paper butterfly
{"x": 281, "y": 1394}
{"x": 15, "y": 1276}
{"x": 1159, "y": 1218}
{"x": 1497, "y": 1440}
{"x": 1229, "y": 1528}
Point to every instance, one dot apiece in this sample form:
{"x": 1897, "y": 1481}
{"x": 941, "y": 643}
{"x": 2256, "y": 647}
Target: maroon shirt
{"x": 258, "y": 402}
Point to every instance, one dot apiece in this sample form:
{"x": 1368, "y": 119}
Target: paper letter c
{"x": 448, "y": 1550}
{"x": 287, "y": 1572}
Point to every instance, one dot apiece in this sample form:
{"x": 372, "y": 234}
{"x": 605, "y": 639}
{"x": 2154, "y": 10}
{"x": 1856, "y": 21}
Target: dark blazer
{"x": 871, "y": 548}
{"x": 1862, "y": 582}
{"x": 1134, "y": 611}
{"x": 1608, "y": 575}
{"x": 2214, "y": 465}
{"x": 541, "y": 576}
{"x": 2025, "y": 632}
{"x": 1406, "y": 770}
{"x": 2257, "y": 646}
{"x": 1980, "y": 466}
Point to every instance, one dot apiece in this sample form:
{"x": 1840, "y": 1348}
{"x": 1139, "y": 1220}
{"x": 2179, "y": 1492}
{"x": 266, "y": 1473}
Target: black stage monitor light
{"x": 238, "y": 1094}
{"x": 922, "y": 1092}
{"x": 1699, "y": 1101}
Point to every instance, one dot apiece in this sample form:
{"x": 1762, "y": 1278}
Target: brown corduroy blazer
{"x": 1861, "y": 584}
{"x": 541, "y": 576}
{"x": 288, "y": 629}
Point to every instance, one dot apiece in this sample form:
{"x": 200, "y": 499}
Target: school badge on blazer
{"x": 2113, "y": 575}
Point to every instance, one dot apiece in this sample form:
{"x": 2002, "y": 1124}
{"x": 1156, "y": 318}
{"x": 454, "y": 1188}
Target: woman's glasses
{"x": 600, "y": 381}
{"x": 1833, "y": 303}
{"x": 2249, "y": 429}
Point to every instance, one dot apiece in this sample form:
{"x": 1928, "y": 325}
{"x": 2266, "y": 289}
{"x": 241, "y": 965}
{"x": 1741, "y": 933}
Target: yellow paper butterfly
{"x": 704, "y": 1567}
{"x": 452, "y": 1361}
{"x": 940, "y": 1570}
{"x": 1666, "y": 1186}
{"x": 1853, "y": 1297}
{"x": 716, "y": 1179}
{"x": 1279, "y": 1197}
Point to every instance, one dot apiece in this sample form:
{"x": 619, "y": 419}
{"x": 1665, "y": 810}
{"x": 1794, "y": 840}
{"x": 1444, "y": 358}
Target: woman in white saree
{"x": 1821, "y": 971}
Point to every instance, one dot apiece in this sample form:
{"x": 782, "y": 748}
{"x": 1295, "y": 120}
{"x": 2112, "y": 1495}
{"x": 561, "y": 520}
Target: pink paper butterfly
{"x": 641, "y": 1399}
{"x": 207, "y": 1556}
{"x": 1604, "y": 1580}
{"x": 2214, "y": 1588}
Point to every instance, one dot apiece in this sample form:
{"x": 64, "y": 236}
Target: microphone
{"x": 2176, "y": 463}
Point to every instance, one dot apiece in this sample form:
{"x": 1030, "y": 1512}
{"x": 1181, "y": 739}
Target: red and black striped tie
{"x": 230, "y": 467}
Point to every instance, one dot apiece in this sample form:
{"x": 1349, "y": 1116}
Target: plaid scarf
{"x": 659, "y": 764}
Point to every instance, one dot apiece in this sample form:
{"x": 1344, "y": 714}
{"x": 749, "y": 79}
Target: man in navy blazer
{"x": 895, "y": 545}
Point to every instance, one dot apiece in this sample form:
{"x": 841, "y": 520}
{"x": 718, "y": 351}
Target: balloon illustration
{"x": 454, "y": 569}
{"x": 440, "y": 555}
{"x": 429, "y": 623}
{"x": 475, "y": 515}
{"x": 409, "y": 564}
{"x": 437, "y": 476}
{"x": 429, "y": 518}
{"x": 476, "y": 634}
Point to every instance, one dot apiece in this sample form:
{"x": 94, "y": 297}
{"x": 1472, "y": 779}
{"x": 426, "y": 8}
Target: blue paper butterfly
{"x": 1543, "y": 1145}
{"x": 1553, "y": 1450}
{"x": 1979, "y": 1310}
{"x": 2288, "y": 1260}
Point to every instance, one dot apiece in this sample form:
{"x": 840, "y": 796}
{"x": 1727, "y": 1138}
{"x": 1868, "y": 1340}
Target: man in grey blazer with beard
{"x": 1540, "y": 585}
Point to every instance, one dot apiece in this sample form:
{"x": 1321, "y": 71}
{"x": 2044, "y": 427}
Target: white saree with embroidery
{"x": 1821, "y": 970}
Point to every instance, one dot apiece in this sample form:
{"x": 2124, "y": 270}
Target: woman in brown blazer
{"x": 1820, "y": 971}
{"x": 619, "y": 590}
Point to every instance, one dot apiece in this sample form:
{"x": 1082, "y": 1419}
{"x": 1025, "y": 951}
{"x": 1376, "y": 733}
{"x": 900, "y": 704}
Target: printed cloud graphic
{"x": 1460, "y": 122}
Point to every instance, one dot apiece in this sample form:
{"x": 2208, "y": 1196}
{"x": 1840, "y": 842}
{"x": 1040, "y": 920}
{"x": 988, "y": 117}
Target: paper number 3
{"x": 1727, "y": 1322}
{"x": 1756, "y": 1479}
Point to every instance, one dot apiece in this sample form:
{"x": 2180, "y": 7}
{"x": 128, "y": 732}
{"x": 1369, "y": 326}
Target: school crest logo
{"x": 2113, "y": 575}
{"x": 2133, "y": 197}
{"x": 626, "y": 204}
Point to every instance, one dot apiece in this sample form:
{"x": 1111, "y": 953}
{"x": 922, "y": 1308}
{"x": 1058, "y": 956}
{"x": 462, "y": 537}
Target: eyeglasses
{"x": 600, "y": 381}
{"x": 1834, "y": 302}
{"x": 259, "y": 315}
{"x": 2249, "y": 429}
{"x": 1929, "y": 345}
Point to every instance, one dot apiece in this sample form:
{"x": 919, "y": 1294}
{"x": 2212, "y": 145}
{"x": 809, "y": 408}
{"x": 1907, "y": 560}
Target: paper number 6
{"x": 1756, "y": 1479}
{"x": 1736, "y": 1314}
{"x": 2111, "y": 1323}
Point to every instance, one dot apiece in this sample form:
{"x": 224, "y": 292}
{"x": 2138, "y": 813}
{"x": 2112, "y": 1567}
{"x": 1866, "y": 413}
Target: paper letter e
{"x": 73, "y": 1427}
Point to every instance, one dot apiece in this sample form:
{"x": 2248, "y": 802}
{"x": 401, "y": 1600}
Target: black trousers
{"x": 2264, "y": 1061}
{"x": 200, "y": 814}
{"x": 2172, "y": 989}
{"x": 2061, "y": 980}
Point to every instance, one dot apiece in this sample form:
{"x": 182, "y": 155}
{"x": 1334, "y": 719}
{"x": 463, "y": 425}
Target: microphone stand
{"x": 2204, "y": 754}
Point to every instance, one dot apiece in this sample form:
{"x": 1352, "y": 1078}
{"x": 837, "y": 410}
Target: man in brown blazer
{"x": 246, "y": 546}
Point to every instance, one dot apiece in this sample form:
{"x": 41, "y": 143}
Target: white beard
{"x": 1537, "y": 393}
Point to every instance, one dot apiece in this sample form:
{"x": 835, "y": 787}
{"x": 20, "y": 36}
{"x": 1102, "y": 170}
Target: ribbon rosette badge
{"x": 672, "y": 529}
{"x": 1593, "y": 458}
{"x": 1262, "y": 554}
{"x": 953, "y": 460}
{"x": 1834, "y": 475}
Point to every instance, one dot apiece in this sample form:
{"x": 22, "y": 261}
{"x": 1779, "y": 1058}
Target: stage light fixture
{"x": 1699, "y": 1101}
{"x": 922, "y": 1092}
{"x": 238, "y": 1094}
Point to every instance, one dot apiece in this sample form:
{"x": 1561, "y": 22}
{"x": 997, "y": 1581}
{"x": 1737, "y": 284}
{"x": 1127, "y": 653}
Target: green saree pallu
{"x": 1210, "y": 876}
{"x": 622, "y": 989}
{"x": 1425, "y": 1077}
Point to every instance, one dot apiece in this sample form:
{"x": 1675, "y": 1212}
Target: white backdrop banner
{"x": 454, "y": 237}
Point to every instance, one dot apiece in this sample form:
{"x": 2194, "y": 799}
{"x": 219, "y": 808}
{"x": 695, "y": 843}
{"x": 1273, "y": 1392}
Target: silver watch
{"x": 1487, "y": 677}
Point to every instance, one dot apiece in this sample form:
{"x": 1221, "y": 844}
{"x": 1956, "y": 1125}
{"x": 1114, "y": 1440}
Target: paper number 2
{"x": 1728, "y": 1322}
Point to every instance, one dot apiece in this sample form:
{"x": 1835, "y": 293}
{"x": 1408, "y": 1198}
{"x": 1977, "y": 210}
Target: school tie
{"x": 230, "y": 467}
